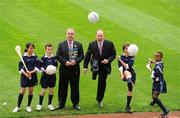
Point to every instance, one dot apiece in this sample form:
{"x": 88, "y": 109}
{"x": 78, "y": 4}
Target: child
{"x": 159, "y": 84}
{"x": 28, "y": 78}
{"x": 47, "y": 80}
{"x": 127, "y": 72}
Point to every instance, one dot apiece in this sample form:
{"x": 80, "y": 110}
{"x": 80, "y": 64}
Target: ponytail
{"x": 25, "y": 50}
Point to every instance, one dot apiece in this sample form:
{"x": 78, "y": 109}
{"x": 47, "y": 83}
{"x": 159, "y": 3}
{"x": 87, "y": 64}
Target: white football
{"x": 93, "y": 17}
{"x": 133, "y": 50}
{"x": 50, "y": 70}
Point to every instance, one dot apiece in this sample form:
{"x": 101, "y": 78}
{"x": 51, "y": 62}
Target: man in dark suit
{"x": 104, "y": 52}
{"x": 69, "y": 54}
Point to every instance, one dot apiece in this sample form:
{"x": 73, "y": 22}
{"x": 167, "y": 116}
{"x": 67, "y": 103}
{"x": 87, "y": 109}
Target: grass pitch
{"x": 154, "y": 25}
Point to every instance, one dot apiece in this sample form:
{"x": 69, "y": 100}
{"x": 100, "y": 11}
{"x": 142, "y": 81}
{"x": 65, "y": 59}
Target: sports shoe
{"x": 51, "y": 107}
{"x": 39, "y": 107}
{"x": 100, "y": 104}
{"x": 59, "y": 107}
{"x": 28, "y": 109}
{"x": 128, "y": 110}
{"x": 16, "y": 109}
{"x": 164, "y": 114}
{"x": 76, "y": 107}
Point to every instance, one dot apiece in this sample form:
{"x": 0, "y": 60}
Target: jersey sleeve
{"x": 21, "y": 70}
{"x": 21, "y": 66}
{"x": 41, "y": 61}
{"x": 37, "y": 64}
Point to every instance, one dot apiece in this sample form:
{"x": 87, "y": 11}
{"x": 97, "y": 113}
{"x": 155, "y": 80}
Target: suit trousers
{"x": 101, "y": 83}
{"x": 65, "y": 79}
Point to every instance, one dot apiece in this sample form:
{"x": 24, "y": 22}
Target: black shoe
{"x": 152, "y": 103}
{"x": 76, "y": 107}
{"x": 100, "y": 104}
{"x": 164, "y": 114}
{"x": 59, "y": 107}
{"x": 128, "y": 110}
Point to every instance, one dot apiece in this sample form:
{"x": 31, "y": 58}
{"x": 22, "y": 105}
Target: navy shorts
{"x": 26, "y": 82}
{"x": 156, "y": 86}
{"x": 48, "y": 80}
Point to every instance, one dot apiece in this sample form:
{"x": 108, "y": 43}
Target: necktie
{"x": 70, "y": 44}
{"x": 100, "y": 47}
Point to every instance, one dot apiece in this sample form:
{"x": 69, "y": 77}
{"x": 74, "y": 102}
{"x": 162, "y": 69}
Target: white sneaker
{"x": 39, "y": 107}
{"x": 16, "y": 109}
{"x": 28, "y": 109}
{"x": 100, "y": 104}
{"x": 51, "y": 107}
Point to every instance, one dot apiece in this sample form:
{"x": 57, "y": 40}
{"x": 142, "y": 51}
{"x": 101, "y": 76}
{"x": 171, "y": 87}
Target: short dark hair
{"x": 124, "y": 46}
{"x": 161, "y": 53}
{"x": 48, "y": 45}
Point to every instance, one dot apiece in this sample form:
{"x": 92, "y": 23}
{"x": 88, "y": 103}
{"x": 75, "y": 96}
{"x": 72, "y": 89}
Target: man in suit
{"x": 69, "y": 54}
{"x": 104, "y": 52}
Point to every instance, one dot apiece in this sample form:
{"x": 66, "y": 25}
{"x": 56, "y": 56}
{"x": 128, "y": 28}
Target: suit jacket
{"x": 93, "y": 53}
{"x": 62, "y": 56}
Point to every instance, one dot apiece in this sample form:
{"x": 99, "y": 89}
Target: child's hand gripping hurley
{"x": 18, "y": 51}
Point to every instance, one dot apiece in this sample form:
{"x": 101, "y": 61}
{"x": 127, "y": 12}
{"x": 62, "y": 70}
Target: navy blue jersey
{"x": 129, "y": 61}
{"x": 31, "y": 62}
{"x": 157, "y": 73}
{"x": 157, "y": 76}
{"x": 46, "y": 61}
{"x": 48, "y": 80}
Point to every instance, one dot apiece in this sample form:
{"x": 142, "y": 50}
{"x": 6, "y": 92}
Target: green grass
{"x": 153, "y": 25}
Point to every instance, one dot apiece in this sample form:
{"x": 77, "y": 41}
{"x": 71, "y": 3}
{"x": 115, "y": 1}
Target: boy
{"x": 127, "y": 72}
{"x": 159, "y": 84}
{"x": 47, "y": 80}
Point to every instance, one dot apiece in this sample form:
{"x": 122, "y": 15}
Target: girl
{"x": 47, "y": 80}
{"x": 127, "y": 72}
{"x": 28, "y": 78}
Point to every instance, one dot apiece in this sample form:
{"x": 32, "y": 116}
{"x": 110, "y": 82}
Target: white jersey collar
{"x": 25, "y": 54}
{"x": 45, "y": 55}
